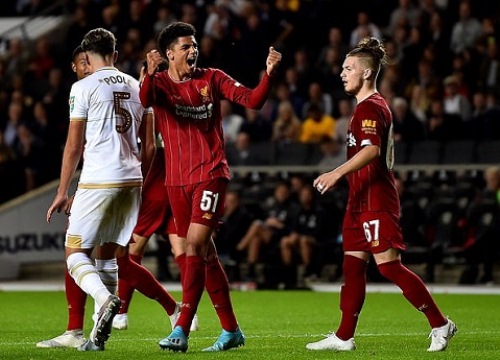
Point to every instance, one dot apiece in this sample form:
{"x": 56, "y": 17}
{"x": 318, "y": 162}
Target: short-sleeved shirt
{"x": 108, "y": 101}
{"x": 372, "y": 188}
{"x": 190, "y": 122}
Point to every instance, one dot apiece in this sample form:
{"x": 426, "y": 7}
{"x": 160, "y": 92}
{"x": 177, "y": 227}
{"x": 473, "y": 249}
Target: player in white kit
{"x": 106, "y": 122}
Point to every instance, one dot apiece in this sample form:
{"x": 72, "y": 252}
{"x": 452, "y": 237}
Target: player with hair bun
{"x": 371, "y": 223}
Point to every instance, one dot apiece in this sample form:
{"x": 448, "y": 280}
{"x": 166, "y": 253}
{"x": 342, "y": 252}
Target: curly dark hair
{"x": 78, "y": 50}
{"x": 99, "y": 41}
{"x": 169, "y": 35}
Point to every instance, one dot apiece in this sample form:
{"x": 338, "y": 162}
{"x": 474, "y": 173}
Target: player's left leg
{"x": 217, "y": 286}
{"x": 415, "y": 291}
{"x": 76, "y": 299}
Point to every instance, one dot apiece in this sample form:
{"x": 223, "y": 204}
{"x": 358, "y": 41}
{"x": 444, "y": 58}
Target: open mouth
{"x": 191, "y": 61}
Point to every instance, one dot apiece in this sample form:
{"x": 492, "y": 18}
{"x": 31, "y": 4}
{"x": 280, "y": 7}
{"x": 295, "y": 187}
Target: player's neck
{"x": 178, "y": 76}
{"x": 99, "y": 62}
{"x": 365, "y": 92}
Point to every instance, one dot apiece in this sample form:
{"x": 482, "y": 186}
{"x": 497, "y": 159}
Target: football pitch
{"x": 277, "y": 325}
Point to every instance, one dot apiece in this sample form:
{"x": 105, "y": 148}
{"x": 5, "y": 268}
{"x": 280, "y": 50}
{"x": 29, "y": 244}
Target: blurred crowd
{"x": 442, "y": 81}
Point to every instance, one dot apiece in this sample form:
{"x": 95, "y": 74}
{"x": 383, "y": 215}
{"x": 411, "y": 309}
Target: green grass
{"x": 277, "y": 326}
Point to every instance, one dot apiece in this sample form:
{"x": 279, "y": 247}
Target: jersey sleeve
{"x": 371, "y": 125}
{"x": 78, "y": 102}
{"x": 240, "y": 94}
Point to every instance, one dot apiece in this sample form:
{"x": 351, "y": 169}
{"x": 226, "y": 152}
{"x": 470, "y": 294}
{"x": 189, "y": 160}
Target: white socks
{"x": 86, "y": 275}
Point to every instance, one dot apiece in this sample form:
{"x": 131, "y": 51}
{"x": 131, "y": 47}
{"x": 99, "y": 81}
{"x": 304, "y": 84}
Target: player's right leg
{"x": 352, "y": 296}
{"x": 73, "y": 336}
{"x": 137, "y": 248}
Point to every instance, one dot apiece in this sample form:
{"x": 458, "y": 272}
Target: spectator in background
{"x": 164, "y": 17}
{"x": 456, "y": 104}
{"x": 79, "y": 26}
{"x": 317, "y": 126}
{"x": 29, "y": 150}
{"x": 317, "y": 96}
{"x": 335, "y": 42}
{"x": 14, "y": 118}
{"x": 466, "y": 30}
{"x": 258, "y": 128}
{"x": 235, "y": 223}
{"x": 363, "y": 29}
{"x": 231, "y": 122}
{"x": 287, "y": 126}
{"x": 333, "y": 153}
{"x": 250, "y": 46}
{"x": 484, "y": 224}
{"x": 44, "y": 129}
{"x": 485, "y": 120}
{"x": 16, "y": 59}
{"x": 42, "y": 61}
{"x": 412, "y": 53}
{"x": 439, "y": 36}
{"x": 489, "y": 68}
{"x": 297, "y": 89}
{"x": 345, "y": 113}
{"x": 330, "y": 74}
{"x": 426, "y": 79}
{"x": 305, "y": 232}
{"x": 441, "y": 126}
{"x": 419, "y": 102}
{"x": 405, "y": 14}
{"x": 268, "y": 231}
{"x": 283, "y": 93}
{"x": 11, "y": 173}
{"x": 406, "y": 126}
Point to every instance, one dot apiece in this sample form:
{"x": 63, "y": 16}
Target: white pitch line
{"x": 291, "y": 336}
{"x": 320, "y": 287}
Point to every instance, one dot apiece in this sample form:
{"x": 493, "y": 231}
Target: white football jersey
{"x": 108, "y": 101}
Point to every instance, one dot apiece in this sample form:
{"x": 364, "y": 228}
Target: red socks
{"x": 140, "y": 278}
{"x": 193, "y": 283}
{"x": 181, "y": 263}
{"x": 125, "y": 291}
{"x": 352, "y": 295}
{"x": 414, "y": 290}
{"x": 217, "y": 286}
{"x": 76, "y": 299}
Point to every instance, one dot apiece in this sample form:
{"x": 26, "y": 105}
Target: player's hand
{"x": 273, "y": 60}
{"x": 326, "y": 181}
{"x": 154, "y": 59}
{"x": 69, "y": 203}
{"x": 59, "y": 204}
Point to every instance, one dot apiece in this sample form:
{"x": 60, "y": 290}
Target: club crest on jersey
{"x": 71, "y": 103}
{"x": 350, "y": 140}
{"x": 205, "y": 94}
{"x": 207, "y": 216}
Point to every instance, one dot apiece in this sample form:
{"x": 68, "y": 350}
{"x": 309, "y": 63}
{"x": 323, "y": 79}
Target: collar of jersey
{"x": 106, "y": 68}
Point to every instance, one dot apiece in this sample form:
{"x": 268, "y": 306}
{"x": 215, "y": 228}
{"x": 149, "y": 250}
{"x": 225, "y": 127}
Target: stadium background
{"x": 441, "y": 159}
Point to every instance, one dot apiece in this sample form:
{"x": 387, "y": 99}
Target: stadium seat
{"x": 400, "y": 152}
{"x": 425, "y": 152}
{"x": 489, "y": 152}
{"x": 292, "y": 154}
{"x": 459, "y": 152}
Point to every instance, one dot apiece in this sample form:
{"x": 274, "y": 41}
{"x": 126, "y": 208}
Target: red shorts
{"x": 155, "y": 215}
{"x": 372, "y": 232}
{"x": 201, "y": 203}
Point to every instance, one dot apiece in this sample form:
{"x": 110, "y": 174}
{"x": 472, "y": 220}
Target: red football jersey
{"x": 372, "y": 188}
{"x": 189, "y": 120}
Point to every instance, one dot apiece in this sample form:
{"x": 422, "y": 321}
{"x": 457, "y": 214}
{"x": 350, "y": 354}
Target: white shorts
{"x": 100, "y": 216}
